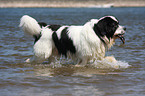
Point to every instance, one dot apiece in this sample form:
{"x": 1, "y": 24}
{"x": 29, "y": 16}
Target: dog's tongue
{"x": 121, "y": 38}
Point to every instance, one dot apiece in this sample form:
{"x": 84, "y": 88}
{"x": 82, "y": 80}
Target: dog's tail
{"x": 30, "y": 26}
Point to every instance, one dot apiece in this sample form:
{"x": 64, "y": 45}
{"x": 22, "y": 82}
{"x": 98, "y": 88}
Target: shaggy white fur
{"x": 87, "y": 43}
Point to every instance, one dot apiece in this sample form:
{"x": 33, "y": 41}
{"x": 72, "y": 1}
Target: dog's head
{"x": 108, "y": 29}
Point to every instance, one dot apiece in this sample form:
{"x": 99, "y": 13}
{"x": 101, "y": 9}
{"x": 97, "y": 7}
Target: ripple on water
{"x": 63, "y": 68}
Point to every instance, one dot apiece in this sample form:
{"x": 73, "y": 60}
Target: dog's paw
{"x": 77, "y": 65}
{"x": 27, "y": 60}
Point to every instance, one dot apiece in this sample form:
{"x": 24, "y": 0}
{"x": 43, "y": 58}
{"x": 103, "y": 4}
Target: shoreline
{"x": 71, "y": 4}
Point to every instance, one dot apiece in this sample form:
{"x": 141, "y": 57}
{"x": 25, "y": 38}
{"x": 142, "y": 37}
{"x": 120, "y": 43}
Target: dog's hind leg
{"x": 39, "y": 58}
{"x": 35, "y": 60}
{"x": 42, "y": 51}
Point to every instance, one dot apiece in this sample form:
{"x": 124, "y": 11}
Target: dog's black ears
{"x": 103, "y": 33}
{"x": 99, "y": 30}
{"x": 106, "y": 27}
{"x": 42, "y": 24}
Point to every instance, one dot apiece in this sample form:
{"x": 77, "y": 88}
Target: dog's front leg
{"x": 82, "y": 62}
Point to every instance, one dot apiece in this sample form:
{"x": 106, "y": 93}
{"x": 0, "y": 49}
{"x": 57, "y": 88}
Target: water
{"x": 105, "y": 79}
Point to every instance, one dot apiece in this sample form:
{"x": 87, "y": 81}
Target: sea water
{"x": 126, "y": 77}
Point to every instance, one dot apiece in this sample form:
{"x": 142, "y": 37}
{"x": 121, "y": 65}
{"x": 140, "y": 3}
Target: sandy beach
{"x": 71, "y": 3}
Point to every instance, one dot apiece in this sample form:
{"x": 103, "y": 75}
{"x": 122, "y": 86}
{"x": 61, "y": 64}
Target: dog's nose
{"x": 124, "y": 28}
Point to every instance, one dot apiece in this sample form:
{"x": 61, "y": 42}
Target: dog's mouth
{"x": 121, "y": 37}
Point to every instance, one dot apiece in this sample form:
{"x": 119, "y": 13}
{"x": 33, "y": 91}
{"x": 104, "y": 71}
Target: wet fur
{"x": 82, "y": 44}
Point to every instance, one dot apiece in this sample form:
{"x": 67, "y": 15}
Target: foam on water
{"x": 67, "y": 67}
{"x": 103, "y": 64}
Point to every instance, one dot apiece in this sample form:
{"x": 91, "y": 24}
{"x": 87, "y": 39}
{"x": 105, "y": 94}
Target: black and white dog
{"x": 79, "y": 43}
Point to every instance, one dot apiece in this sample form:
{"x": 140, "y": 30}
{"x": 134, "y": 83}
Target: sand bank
{"x": 71, "y": 3}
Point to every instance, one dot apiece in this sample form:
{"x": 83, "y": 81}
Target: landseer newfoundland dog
{"x": 81, "y": 44}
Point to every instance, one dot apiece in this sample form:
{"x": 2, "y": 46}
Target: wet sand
{"x": 71, "y": 3}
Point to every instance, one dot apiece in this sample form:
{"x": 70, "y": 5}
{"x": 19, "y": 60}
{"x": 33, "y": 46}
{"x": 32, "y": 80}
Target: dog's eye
{"x": 116, "y": 26}
{"x": 112, "y": 25}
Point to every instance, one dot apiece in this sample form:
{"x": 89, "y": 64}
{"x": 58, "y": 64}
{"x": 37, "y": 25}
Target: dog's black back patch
{"x": 37, "y": 37}
{"x": 42, "y": 24}
{"x": 54, "y": 27}
{"x": 64, "y": 44}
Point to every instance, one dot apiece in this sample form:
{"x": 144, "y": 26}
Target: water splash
{"x": 106, "y": 64}
{"x": 102, "y": 64}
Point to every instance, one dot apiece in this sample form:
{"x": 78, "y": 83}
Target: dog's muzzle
{"x": 121, "y": 35}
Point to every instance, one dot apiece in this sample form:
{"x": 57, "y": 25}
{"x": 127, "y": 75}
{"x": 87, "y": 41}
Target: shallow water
{"x": 102, "y": 79}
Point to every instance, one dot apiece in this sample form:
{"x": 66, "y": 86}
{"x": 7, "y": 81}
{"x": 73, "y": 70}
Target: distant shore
{"x": 70, "y": 3}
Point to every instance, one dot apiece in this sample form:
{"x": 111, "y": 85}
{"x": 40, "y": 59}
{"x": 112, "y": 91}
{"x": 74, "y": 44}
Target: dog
{"x": 82, "y": 44}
